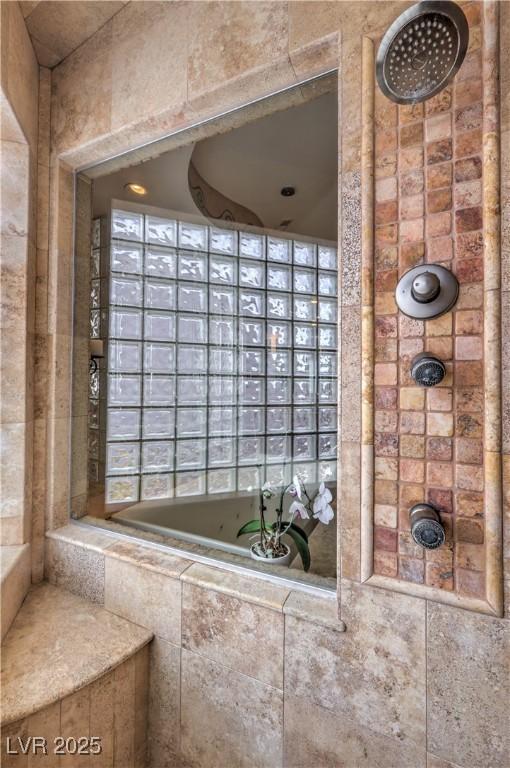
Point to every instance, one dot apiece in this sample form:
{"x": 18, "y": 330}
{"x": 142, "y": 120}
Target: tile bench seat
{"x": 67, "y": 661}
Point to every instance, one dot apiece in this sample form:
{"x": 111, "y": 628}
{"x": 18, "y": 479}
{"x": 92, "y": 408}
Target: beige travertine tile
{"x": 11, "y": 129}
{"x": 140, "y": 74}
{"x": 164, "y": 704}
{"x": 60, "y": 374}
{"x": 14, "y": 187}
{"x": 155, "y": 560}
{"x": 247, "y": 588}
{"x": 244, "y": 637}
{"x": 350, "y": 427}
{"x": 505, "y": 366}
{"x": 374, "y": 673}
{"x": 315, "y": 736}
{"x": 75, "y": 719}
{"x": 83, "y": 536}
{"x": 59, "y": 29}
{"x": 351, "y": 87}
{"x": 124, "y": 678}
{"x": 228, "y": 718}
{"x": 102, "y": 716}
{"x": 349, "y": 503}
{"x": 316, "y": 58}
{"x": 144, "y": 596}
{"x": 314, "y": 608}
{"x": 142, "y": 683}
{"x": 81, "y": 329}
{"x": 312, "y": 21}
{"x": 45, "y": 723}
{"x": 112, "y": 709}
{"x": 16, "y": 376}
{"x": 43, "y": 144}
{"x": 15, "y": 581}
{"x": 15, "y": 250}
{"x": 246, "y": 37}
{"x": 13, "y": 530}
{"x": 58, "y": 486}
{"x": 75, "y": 568}
{"x": 27, "y": 6}
{"x": 14, "y": 731}
{"x": 42, "y": 206}
{"x": 83, "y": 640}
{"x": 40, "y": 374}
{"x": 20, "y": 72}
{"x": 467, "y": 652}
{"x": 82, "y": 92}
{"x": 506, "y": 531}
{"x": 437, "y": 762}
{"x": 60, "y": 271}
{"x": 15, "y": 448}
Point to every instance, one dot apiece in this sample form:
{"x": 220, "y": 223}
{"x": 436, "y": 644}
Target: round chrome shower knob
{"x": 426, "y": 526}
{"x": 425, "y": 287}
{"x": 427, "y": 291}
{"x": 427, "y": 370}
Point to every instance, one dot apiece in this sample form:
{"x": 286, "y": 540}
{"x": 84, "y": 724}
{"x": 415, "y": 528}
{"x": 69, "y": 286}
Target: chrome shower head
{"x": 422, "y": 51}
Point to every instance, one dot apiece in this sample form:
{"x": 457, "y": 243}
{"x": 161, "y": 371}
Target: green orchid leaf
{"x": 302, "y": 547}
{"x": 252, "y": 527}
{"x": 300, "y": 531}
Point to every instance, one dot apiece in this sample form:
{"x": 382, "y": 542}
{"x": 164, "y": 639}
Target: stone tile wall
{"x": 98, "y": 111}
{"x": 429, "y": 442}
{"x": 247, "y": 673}
{"x": 19, "y": 124}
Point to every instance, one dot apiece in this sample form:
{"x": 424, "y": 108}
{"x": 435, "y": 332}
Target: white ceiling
{"x": 250, "y": 165}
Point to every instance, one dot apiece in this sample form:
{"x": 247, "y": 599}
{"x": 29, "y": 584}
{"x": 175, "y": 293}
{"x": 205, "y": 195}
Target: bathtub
{"x": 212, "y": 521}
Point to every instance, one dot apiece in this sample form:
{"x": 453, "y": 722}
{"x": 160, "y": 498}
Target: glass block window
{"x": 222, "y": 359}
{"x": 98, "y": 309}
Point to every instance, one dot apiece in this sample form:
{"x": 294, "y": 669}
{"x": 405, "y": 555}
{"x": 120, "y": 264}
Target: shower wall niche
{"x": 220, "y": 357}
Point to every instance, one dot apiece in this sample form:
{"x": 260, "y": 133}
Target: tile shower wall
{"x": 221, "y": 358}
{"x": 263, "y": 665}
{"x": 428, "y": 442}
{"x": 101, "y": 104}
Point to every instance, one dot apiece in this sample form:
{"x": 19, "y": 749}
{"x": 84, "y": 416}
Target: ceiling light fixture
{"x": 138, "y": 189}
{"x": 288, "y": 191}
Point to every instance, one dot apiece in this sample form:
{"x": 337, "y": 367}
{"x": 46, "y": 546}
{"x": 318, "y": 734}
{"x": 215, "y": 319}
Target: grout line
{"x": 66, "y": 57}
{"x": 426, "y": 677}
{"x": 210, "y": 659}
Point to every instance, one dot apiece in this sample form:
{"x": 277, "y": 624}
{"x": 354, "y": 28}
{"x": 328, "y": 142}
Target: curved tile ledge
{"x": 189, "y": 550}
{"x": 250, "y": 589}
{"x": 64, "y": 570}
{"x": 58, "y": 644}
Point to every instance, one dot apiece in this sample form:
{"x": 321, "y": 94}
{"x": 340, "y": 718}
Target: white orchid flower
{"x": 297, "y": 509}
{"x": 297, "y": 486}
{"x": 322, "y": 509}
{"x": 267, "y": 490}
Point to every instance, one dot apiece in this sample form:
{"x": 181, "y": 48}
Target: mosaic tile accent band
{"x": 429, "y": 442}
{"x": 222, "y": 359}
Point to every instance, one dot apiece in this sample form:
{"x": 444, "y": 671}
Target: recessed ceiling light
{"x": 138, "y": 189}
{"x": 288, "y": 191}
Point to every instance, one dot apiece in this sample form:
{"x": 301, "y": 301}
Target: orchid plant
{"x": 302, "y": 507}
